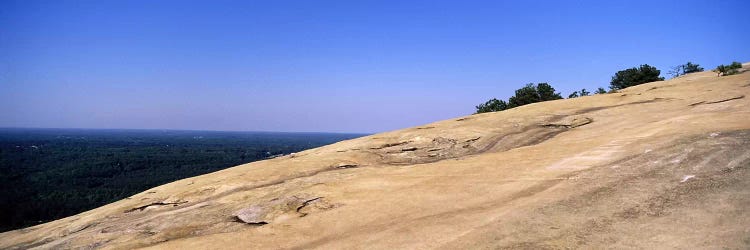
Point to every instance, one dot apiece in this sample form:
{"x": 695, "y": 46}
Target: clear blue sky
{"x": 337, "y": 66}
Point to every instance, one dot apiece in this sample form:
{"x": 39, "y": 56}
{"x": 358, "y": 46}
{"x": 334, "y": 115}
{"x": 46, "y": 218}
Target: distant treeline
{"x": 47, "y": 174}
{"x": 540, "y": 92}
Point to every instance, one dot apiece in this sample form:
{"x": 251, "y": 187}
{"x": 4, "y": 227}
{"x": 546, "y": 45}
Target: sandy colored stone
{"x": 659, "y": 165}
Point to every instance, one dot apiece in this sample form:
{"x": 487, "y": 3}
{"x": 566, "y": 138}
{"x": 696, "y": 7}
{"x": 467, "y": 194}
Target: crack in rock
{"x": 141, "y": 208}
{"x": 575, "y": 122}
{"x": 473, "y": 139}
{"x": 346, "y": 165}
{"x": 266, "y": 212}
{"x": 304, "y": 204}
{"x": 87, "y": 226}
{"x": 388, "y": 145}
{"x": 719, "y": 101}
{"x": 428, "y": 127}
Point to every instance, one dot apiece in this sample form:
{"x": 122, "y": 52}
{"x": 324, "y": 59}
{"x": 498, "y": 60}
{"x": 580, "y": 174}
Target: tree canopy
{"x": 691, "y": 68}
{"x": 530, "y": 93}
{"x": 725, "y": 70}
{"x": 582, "y": 92}
{"x": 492, "y": 105}
{"x": 635, "y": 76}
{"x": 683, "y": 69}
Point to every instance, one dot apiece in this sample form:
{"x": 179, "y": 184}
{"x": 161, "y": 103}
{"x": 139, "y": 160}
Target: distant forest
{"x": 47, "y": 174}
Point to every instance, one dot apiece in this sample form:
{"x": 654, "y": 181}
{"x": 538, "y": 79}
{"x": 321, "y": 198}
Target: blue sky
{"x": 333, "y": 66}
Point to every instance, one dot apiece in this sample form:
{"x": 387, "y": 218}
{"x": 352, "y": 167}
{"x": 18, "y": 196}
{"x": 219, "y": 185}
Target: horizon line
{"x": 190, "y": 130}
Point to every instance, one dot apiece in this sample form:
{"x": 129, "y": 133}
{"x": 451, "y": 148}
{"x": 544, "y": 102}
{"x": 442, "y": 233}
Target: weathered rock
{"x": 252, "y": 215}
{"x": 570, "y": 122}
{"x": 638, "y": 169}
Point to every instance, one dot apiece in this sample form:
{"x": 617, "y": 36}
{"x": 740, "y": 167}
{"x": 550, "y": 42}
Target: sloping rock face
{"x": 659, "y": 165}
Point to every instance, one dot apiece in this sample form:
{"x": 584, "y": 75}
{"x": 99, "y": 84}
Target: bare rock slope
{"x": 659, "y": 165}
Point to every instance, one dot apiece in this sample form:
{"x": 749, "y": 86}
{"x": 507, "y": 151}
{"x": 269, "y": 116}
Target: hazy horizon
{"x": 183, "y": 130}
{"x": 331, "y": 66}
